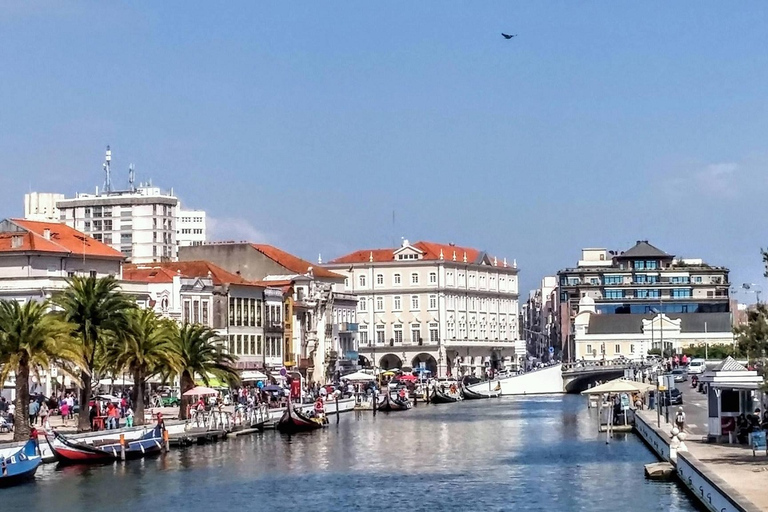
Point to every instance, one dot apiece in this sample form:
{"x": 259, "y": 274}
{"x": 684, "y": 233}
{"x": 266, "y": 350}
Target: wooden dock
{"x": 196, "y": 436}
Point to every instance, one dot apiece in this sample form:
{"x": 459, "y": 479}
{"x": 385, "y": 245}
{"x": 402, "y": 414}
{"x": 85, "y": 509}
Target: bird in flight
{"x": 507, "y": 36}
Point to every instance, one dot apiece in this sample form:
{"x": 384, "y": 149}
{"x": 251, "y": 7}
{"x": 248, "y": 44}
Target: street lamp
{"x": 748, "y": 288}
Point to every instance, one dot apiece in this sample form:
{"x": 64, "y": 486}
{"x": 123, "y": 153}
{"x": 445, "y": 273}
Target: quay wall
{"x": 547, "y": 380}
{"x": 711, "y": 491}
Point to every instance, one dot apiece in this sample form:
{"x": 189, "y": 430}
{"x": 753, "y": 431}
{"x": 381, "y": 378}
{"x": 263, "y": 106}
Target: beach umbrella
{"x": 201, "y": 391}
{"x": 358, "y": 376}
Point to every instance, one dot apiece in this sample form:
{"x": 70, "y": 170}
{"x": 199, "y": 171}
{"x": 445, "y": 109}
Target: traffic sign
{"x": 551, "y": 350}
{"x": 283, "y": 371}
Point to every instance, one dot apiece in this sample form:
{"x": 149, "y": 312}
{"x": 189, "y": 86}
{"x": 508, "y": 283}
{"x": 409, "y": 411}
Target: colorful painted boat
{"x": 69, "y": 451}
{"x": 20, "y": 466}
{"x": 294, "y": 420}
{"x": 393, "y": 404}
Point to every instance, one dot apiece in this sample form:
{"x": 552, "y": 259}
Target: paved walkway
{"x": 733, "y": 463}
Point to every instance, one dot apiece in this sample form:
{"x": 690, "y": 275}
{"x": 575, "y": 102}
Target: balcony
{"x": 481, "y": 343}
{"x": 273, "y": 326}
{"x": 348, "y": 327}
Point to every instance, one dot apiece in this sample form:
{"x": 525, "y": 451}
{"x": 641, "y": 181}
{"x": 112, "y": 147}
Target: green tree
{"x": 202, "y": 355}
{"x": 99, "y": 312}
{"x": 31, "y": 339}
{"x": 752, "y": 337}
{"x": 145, "y": 348}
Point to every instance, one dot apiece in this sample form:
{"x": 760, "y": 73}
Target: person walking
{"x": 680, "y": 419}
{"x": 128, "y": 417}
{"x": 64, "y": 410}
{"x": 43, "y": 414}
{"x": 34, "y": 408}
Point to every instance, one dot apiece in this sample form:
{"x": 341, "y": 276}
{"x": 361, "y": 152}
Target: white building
{"x": 454, "y": 309}
{"x": 190, "y": 228}
{"x": 42, "y": 206}
{"x": 632, "y": 336}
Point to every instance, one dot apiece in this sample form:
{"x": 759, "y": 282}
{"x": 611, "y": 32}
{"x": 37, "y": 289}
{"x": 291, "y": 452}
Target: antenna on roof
{"x": 106, "y": 165}
{"x": 131, "y": 177}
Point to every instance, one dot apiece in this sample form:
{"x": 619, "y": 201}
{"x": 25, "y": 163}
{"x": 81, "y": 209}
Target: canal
{"x": 524, "y": 453}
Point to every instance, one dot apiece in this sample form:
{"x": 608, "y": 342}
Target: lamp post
{"x": 748, "y": 287}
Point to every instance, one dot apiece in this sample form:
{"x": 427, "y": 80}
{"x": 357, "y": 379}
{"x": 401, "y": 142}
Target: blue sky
{"x": 306, "y": 124}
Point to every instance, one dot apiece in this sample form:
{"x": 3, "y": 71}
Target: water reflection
{"x": 536, "y": 453}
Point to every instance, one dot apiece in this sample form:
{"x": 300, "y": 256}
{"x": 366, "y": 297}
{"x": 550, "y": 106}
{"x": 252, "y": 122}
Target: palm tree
{"x": 144, "y": 349}
{"x": 99, "y": 312}
{"x": 201, "y": 354}
{"x": 30, "y": 339}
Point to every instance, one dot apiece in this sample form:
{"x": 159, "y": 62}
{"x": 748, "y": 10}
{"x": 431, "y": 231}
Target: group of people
{"x": 109, "y": 413}
{"x": 747, "y": 423}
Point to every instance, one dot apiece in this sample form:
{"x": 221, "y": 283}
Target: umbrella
{"x": 358, "y": 376}
{"x": 617, "y": 386}
{"x": 201, "y": 391}
{"x": 407, "y": 377}
{"x": 272, "y": 387}
{"x": 388, "y": 373}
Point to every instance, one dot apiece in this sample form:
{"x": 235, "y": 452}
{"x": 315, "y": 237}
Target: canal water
{"x": 522, "y": 453}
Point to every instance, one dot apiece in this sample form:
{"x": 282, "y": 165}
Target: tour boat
{"x": 21, "y": 465}
{"x": 393, "y": 404}
{"x": 69, "y": 451}
{"x": 294, "y": 420}
{"x": 476, "y": 395}
{"x": 440, "y": 397}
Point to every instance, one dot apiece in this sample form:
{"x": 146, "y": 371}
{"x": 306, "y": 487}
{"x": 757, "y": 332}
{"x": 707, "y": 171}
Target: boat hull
{"x": 21, "y": 466}
{"x": 293, "y": 421}
{"x": 479, "y": 395}
{"x": 389, "y": 404}
{"x": 439, "y": 397}
{"x": 73, "y": 452}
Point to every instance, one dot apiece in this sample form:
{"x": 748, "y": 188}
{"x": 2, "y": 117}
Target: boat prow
{"x": 21, "y": 466}
{"x": 294, "y": 420}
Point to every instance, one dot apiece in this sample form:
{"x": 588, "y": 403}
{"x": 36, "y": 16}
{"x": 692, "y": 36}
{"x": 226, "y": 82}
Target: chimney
{"x": 47, "y": 233}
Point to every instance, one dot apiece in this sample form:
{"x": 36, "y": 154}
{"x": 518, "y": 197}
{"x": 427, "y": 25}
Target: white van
{"x": 696, "y": 366}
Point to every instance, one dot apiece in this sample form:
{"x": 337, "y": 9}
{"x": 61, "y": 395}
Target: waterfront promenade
{"x": 734, "y": 465}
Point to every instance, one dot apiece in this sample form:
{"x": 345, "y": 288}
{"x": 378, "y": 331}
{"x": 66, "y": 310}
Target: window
{"x": 414, "y": 278}
{"x": 698, "y": 279}
{"x": 108, "y": 225}
{"x": 346, "y": 282}
{"x": 231, "y": 311}
{"x": 609, "y": 280}
{"x": 414, "y": 302}
{"x": 361, "y": 304}
{"x": 632, "y": 348}
{"x": 594, "y": 281}
{"x": 253, "y": 313}
{"x": 396, "y": 279}
{"x": 259, "y": 346}
{"x": 379, "y": 279}
{"x": 651, "y": 265}
{"x": 433, "y": 302}
{"x": 472, "y": 280}
{"x": 361, "y": 281}
{"x": 449, "y": 278}
{"x": 434, "y": 333}
{"x": 363, "y": 335}
{"x": 253, "y": 344}
{"x": 461, "y": 279}
{"x": 680, "y": 280}
{"x": 396, "y": 306}
{"x": 482, "y": 282}
{"x": 433, "y": 278}
{"x": 239, "y": 344}
{"x": 87, "y": 212}
{"x": 681, "y": 293}
{"x": 379, "y": 303}
{"x": 617, "y": 349}
{"x": 92, "y": 273}
{"x": 639, "y": 265}
{"x": 614, "y": 294}
{"x": 379, "y": 334}
{"x": 196, "y": 311}
{"x": 185, "y": 317}
{"x": 654, "y": 294}
{"x": 204, "y": 306}
{"x": 398, "y": 330}
{"x": 415, "y": 333}
{"x": 641, "y": 294}
{"x": 589, "y": 349}
{"x": 574, "y": 281}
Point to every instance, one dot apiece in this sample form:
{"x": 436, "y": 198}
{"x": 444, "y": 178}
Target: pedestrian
{"x": 3, "y": 405}
{"x": 680, "y": 419}
{"x": 128, "y": 417}
{"x": 71, "y": 405}
{"x": 64, "y": 410}
{"x": 43, "y": 414}
{"x": 34, "y": 408}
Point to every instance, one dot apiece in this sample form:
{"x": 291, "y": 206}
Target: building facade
{"x": 540, "y": 321}
{"x": 633, "y": 336}
{"x": 640, "y": 281}
{"x": 450, "y": 309}
{"x": 315, "y": 348}
{"x": 41, "y": 206}
{"x": 190, "y": 228}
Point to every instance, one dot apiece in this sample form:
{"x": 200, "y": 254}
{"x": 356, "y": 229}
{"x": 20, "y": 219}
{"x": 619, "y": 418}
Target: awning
{"x": 618, "y": 386}
{"x": 251, "y": 375}
{"x": 358, "y": 376}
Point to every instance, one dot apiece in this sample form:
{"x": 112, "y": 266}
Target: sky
{"x": 327, "y": 127}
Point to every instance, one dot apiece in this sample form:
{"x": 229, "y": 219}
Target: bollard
{"x": 166, "y": 441}
{"x": 337, "y": 409}
{"x": 375, "y": 402}
{"x": 122, "y": 446}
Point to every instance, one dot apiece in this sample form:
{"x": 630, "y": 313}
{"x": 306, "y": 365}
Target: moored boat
{"x": 294, "y": 420}
{"x": 441, "y": 397}
{"x": 477, "y": 395}
{"x": 69, "y": 451}
{"x": 393, "y": 404}
{"x": 21, "y": 465}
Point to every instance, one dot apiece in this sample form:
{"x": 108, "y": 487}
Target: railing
{"x": 581, "y": 366}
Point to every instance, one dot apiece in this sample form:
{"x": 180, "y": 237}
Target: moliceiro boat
{"x": 478, "y": 394}
{"x": 293, "y": 420}
{"x": 21, "y": 465}
{"x": 441, "y": 397}
{"x": 393, "y": 404}
{"x": 68, "y": 451}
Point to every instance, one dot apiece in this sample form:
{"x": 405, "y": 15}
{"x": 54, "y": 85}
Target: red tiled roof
{"x": 164, "y": 272}
{"x": 62, "y": 239}
{"x": 293, "y": 263}
{"x": 431, "y": 251}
